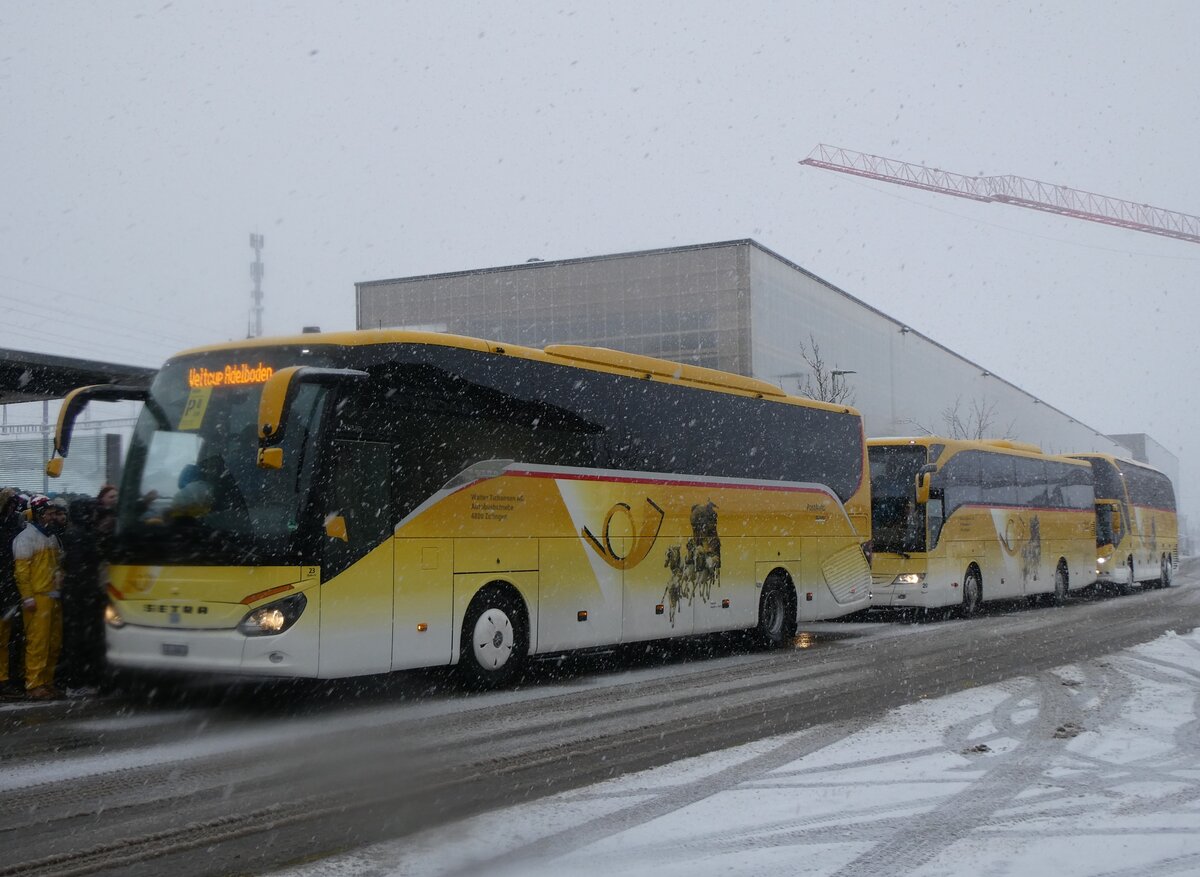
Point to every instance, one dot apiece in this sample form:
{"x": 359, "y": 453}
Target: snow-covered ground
{"x": 1090, "y": 769}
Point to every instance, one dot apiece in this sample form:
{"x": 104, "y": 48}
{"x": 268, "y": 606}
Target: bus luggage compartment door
{"x": 424, "y": 603}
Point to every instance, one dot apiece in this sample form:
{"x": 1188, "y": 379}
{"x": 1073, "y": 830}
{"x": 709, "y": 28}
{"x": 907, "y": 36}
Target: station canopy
{"x": 33, "y": 377}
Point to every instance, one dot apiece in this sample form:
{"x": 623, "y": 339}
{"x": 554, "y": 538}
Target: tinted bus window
{"x": 1107, "y": 480}
{"x": 1071, "y": 486}
{"x": 1149, "y": 488}
{"x": 651, "y": 426}
{"x": 1031, "y": 482}
{"x": 998, "y": 480}
{"x": 960, "y": 480}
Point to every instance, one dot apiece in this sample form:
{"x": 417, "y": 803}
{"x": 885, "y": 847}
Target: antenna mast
{"x": 256, "y": 295}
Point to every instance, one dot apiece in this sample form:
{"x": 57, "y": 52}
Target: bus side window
{"x": 360, "y": 493}
{"x": 1031, "y": 482}
{"x": 960, "y": 481}
{"x": 934, "y": 512}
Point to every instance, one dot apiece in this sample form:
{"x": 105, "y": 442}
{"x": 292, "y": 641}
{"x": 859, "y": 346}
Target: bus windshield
{"x": 897, "y": 522}
{"x": 192, "y": 491}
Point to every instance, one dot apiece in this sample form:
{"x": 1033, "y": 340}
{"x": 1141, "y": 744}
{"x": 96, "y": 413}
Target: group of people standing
{"x": 52, "y": 563}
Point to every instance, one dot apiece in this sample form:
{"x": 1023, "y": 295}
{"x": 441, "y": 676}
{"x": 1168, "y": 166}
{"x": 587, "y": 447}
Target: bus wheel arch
{"x": 1062, "y": 583}
{"x": 972, "y": 593}
{"x": 777, "y": 611}
{"x": 1126, "y": 588}
{"x": 495, "y": 636}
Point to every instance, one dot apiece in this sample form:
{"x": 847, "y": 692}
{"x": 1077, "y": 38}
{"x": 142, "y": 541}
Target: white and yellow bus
{"x": 957, "y": 523}
{"x": 1137, "y": 533}
{"x": 329, "y": 505}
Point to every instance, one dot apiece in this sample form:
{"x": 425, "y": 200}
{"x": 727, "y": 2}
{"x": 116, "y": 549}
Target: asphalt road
{"x": 219, "y": 781}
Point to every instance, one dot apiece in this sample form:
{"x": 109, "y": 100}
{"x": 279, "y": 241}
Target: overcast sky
{"x": 141, "y": 143}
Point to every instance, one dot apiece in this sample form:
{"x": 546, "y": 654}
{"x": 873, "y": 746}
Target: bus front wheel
{"x": 495, "y": 639}
{"x": 1126, "y": 588}
{"x": 972, "y": 597}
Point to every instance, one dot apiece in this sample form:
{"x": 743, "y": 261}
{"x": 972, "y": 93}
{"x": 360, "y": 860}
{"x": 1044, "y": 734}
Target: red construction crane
{"x": 1010, "y": 189}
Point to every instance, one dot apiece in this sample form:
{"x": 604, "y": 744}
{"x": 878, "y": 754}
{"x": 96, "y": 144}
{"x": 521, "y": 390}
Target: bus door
{"x": 356, "y": 572}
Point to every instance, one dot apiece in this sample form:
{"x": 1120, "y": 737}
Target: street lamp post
{"x": 839, "y": 373}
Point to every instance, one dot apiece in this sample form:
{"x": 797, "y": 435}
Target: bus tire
{"x": 776, "y": 614}
{"x": 1126, "y": 588}
{"x": 972, "y": 598}
{"x": 1164, "y": 580}
{"x": 1062, "y": 584}
{"x": 495, "y": 638}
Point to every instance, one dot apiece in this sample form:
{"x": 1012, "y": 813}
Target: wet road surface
{"x": 220, "y": 781}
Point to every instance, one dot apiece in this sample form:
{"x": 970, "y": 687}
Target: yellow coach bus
{"x": 329, "y": 505}
{"x": 957, "y": 523}
{"x": 1137, "y": 533}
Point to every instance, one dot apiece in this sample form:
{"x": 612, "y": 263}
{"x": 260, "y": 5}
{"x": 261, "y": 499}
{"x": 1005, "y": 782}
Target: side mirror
{"x": 924, "y": 477}
{"x": 335, "y": 528}
{"x": 73, "y": 404}
{"x": 277, "y": 395}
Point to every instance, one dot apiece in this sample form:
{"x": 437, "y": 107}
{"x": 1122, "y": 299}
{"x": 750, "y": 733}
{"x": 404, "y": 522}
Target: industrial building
{"x": 738, "y": 306}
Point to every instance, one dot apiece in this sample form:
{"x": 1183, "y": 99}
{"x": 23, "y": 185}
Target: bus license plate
{"x": 174, "y": 650}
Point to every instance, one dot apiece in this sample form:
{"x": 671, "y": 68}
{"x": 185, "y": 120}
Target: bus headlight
{"x": 274, "y": 617}
{"x": 112, "y": 617}
{"x": 909, "y": 578}
{"x": 1101, "y": 559}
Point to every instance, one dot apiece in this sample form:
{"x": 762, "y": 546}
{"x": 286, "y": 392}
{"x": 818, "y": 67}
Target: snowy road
{"x": 1090, "y": 769}
{"x": 201, "y": 786}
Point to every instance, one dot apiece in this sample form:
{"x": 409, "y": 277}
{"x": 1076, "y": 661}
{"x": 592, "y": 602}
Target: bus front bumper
{"x": 920, "y": 596}
{"x": 1120, "y": 575}
{"x": 222, "y": 652}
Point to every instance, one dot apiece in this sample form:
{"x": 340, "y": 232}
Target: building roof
{"x": 32, "y": 377}
{"x": 536, "y": 264}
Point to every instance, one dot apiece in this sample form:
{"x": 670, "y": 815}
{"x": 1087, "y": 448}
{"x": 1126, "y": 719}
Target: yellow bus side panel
{"x": 644, "y": 557}
{"x": 495, "y": 554}
{"x": 423, "y": 596}
{"x": 356, "y": 616}
{"x": 1155, "y": 533}
{"x": 573, "y": 580}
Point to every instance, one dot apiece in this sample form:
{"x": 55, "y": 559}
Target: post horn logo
{"x": 643, "y": 540}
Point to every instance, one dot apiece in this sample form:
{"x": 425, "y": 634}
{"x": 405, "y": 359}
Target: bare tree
{"x": 976, "y": 423}
{"x": 823, "y": 383}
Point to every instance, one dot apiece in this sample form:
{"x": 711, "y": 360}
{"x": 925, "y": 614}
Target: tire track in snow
{"x": 663, "y": 802}
{"x": 1006, "y": 777}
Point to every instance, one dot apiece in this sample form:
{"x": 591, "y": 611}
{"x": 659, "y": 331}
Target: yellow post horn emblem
{"x": 642, "y": 542}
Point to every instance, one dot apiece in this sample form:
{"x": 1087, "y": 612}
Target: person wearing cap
{"x": 82, "y": 663}
{"x": 11, "y": 524}
{"x": 37, "y": 556}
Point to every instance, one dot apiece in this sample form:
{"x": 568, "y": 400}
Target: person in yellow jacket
{"x": 37, "y": 560}
{"x": 11, "y": 523}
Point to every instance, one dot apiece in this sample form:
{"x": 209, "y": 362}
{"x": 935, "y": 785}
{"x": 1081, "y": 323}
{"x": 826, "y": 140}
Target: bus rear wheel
{"x": 495, "y": 639}
{"x": 1061, "y": 585}
{"x": 972, "y": 597}
{"x": 776, "y": 615}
